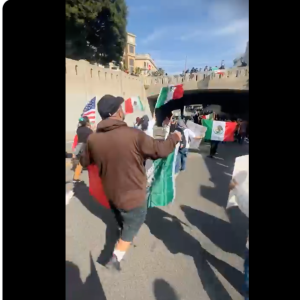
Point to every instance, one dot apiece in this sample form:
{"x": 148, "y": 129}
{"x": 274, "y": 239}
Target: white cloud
{"x": 170, "y": 63}
{"x": 192, "y": 35}
{"x": 233, "y": 28}
{"x": 220, "y": 32}
{"x": 155, "y": 35}
{"x": 221, "y": 11}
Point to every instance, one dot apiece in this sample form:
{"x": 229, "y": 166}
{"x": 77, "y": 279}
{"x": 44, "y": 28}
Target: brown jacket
{"x": 119, "y": 152}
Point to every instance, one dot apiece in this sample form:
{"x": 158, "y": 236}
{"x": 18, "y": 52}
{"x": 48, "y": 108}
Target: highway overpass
{"x": 85, "y": 81}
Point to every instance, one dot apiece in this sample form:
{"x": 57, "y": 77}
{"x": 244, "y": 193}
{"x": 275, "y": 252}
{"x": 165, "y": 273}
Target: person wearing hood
{"x": 119, "y": 152}
{"x": 187, "y": 135}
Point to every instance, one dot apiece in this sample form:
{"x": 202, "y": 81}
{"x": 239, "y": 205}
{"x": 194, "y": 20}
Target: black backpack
{"x": 183, "y": 140}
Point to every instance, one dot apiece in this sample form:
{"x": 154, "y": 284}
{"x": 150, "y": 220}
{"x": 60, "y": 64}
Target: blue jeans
{"x": 181, "y": 160}
{"x": 242, "y": 138}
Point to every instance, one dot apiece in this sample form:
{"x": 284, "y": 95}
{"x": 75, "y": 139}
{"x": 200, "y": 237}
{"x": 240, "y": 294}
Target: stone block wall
{"x": 85, "y": 81}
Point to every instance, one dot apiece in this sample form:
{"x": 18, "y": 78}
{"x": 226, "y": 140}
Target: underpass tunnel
{"x": 230, "y": 102}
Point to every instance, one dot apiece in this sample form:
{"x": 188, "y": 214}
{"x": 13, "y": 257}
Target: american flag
{"x": 90, "y": 110}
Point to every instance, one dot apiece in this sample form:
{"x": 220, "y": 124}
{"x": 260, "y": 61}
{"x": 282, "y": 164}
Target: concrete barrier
{"x": 85, "y": 81}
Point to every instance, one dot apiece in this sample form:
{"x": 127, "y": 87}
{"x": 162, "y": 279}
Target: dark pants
{"x": 130, "y": 221}
{"x": 242, "y": 137}
{"x": 181, "y": 160}
{"x": 213, "y": 147}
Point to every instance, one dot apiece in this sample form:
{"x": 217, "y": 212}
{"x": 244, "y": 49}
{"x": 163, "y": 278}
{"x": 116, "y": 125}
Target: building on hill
{"x": 145, "y": 63}
{"x": 128, "y": 60}
{"x": 132, "y": 61}
{"x": 129, "y": 53}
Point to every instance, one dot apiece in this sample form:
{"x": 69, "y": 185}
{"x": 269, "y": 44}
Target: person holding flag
{"x": 119, "y": 153}
{"x": 218, "y": 131}
{"x": 90, "y": 112}
{"x": 187, "y": 136}
{"x": 85, "y": 128}
{"x": 83, "y": 132}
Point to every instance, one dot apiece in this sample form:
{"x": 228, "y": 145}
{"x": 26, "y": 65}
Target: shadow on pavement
{"x": 164, "y": 291}
{"x": 230, "y": 237}
{"x": 91, "y": 289}
{"x": 81, "y": 191}
{"x": 171, "y": 232}
{"x": 220, "y": 169}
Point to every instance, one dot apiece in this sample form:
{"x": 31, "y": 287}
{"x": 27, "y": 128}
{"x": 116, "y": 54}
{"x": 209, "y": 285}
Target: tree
{"x": 138, "y": 71}
{"x": 159, "y": 72}
{"x": 96, "y": 30}
{"x": 123, "y": 66}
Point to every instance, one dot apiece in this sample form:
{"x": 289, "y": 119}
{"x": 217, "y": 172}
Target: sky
{"x": 200, "y": 32}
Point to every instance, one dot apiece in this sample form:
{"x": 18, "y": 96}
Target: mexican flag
{"x": 161, "y": 181}
{"x": 208, "y": 117}
{"x": 220, "y": 72}
{"x": 133, "y": 104}
{"x": 219, "y": 131}
{"x": 169, "y": 93}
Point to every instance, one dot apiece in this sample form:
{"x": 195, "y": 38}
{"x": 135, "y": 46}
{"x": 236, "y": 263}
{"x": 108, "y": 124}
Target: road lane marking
{"x": 228, "y": 174}
{"x": 218, "y": 157}
{"x": 222, "y": 165}
{"x": 69, "y": 196}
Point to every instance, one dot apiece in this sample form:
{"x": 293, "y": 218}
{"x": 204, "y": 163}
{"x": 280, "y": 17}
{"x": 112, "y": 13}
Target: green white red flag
{"x": 208, "y": 117}
{"x": 168, "y": 93}
{"x": 161, "y": 180}
{"x": 133, "y": 104}
{"x": 219, "y": 131}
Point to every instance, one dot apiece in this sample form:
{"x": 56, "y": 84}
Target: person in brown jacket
{"x": 120, "y": 152}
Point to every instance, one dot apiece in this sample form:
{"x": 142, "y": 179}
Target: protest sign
{"x": 239, "y": 196}
{"x": 198, "y": 130}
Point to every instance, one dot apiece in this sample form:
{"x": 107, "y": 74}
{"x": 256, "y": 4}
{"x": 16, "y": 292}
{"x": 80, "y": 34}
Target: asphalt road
{"x": 192, "y": 249}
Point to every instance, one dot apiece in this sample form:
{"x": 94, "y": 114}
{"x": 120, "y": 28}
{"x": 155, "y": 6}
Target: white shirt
{"x": 189, "y": 134}
{"x": 149, "y": 131}
{"x": 167, "y": 129}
